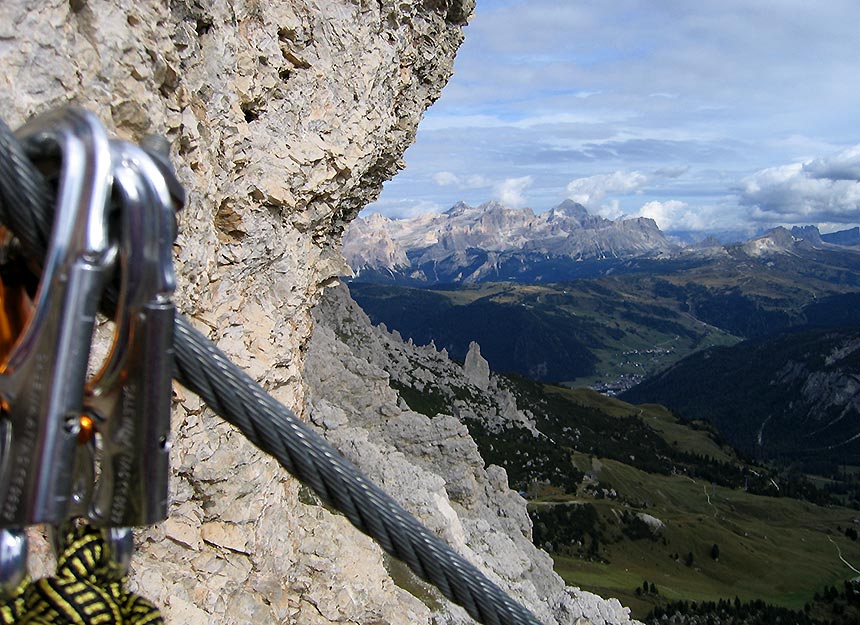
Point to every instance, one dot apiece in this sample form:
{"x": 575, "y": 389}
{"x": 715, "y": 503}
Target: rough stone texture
{"x": 430, "y": 463}
{"x": 285, "y": 117}
{"x": 476, "y": 367}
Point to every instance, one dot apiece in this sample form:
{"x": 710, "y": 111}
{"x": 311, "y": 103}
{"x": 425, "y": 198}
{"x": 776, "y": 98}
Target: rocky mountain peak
{"x": 850, "y": 237}
{"x": 458, "y": 209}
{"x": 469, "y": 244}
{"x": 476, "y": 368}
{"x": 568, "y": 210}
{"x": 810, "y": 234}
{"x": 707, "y": 243}
{"x": 493, "y": 206}
{"x": 377, "y": 220}
{"x": 781, "y": 240}
{"x": 778, "y": 240}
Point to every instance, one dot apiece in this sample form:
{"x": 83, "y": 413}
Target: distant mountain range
{"x": 570, "y": 297}
{"x": 843, "y": 237}
{"x": 493, "y": 242}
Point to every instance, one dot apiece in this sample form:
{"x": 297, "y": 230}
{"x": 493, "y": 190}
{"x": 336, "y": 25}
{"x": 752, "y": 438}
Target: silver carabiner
{"x": 42, "y": 378}
{"x": 44, "y": 363}
{"x": 129, "y": 399}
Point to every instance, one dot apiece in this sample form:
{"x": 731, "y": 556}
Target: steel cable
{"x": 25, "y": 199}
{"x": 26, "y": 208}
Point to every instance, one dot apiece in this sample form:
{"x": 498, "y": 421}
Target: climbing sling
{"x": 95, "y": 452}
{"x": 84, "y": 590}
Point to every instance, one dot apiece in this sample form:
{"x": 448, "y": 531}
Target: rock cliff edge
{"x": 285, "y": 117}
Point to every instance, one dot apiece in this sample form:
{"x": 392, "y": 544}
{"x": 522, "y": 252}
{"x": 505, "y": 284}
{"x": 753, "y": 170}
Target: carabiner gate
{"x": 46, "y": 346}
{"x": 129, "y": 399}
{"x": 42, "y": 377}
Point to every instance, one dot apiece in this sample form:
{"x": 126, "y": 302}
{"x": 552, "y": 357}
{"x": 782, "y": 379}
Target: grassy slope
{"x": 629, "y": 324}
{"x": 638, "y": 331}
{"x": 741, "y": 388}
{"x": 778, "y": 550}
{"x": 774, "y": 549}
{"x": 657, "y": 417}
{"x": 630, "y": 329}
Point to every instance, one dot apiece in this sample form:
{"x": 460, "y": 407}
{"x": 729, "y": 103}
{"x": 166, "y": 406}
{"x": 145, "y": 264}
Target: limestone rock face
{"x": 285, "y": 117}
{"x": 476, "y": 367}
{"x": 429, "y": 462}
{"x": 483, "y": 243}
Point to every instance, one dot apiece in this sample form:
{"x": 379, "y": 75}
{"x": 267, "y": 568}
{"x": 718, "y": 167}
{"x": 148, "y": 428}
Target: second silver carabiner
{"x": 129, "y": 399}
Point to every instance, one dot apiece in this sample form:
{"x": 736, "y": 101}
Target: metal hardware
{"x": 42, "y": 378}
{"x": 69, "y": 449}
{"x": 119, "y": 542}
{"x": 13, "y": 560}
{"x": 129, "y": 399}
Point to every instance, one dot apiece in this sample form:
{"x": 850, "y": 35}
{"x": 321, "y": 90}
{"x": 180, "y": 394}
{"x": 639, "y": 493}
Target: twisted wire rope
{"x": 26, "y": 208}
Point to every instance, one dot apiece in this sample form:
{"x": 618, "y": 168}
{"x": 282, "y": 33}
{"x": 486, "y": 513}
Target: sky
{"x": 705, "y": 115}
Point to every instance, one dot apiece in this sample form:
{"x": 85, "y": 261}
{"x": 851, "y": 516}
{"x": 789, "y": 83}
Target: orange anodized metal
{"x": 87, "y": 431}
{"x": 16, "y": 307}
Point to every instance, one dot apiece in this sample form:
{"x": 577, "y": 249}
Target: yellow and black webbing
{"x": 81, "y": 593}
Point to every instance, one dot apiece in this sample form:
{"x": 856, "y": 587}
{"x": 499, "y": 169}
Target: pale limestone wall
{"x": 285, "y": 117}
{"x": 430, "y": 463}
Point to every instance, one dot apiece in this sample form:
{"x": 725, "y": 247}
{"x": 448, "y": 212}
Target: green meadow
{"x": 779, "y": 550}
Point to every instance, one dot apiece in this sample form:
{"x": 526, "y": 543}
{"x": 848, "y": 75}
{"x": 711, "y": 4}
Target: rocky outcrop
{"x": 284, "y": 117}
{"x": 829, "y": 387}
{"x": 850, "y": 237}
{"x": 428, "y": 461}
{"x": 470, "y": 244}
{"x": 476, "y": 368}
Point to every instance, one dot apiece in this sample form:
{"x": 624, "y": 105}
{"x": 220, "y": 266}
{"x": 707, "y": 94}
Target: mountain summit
{"x": 781, "y": 240}
{"x": 490, "y": 241}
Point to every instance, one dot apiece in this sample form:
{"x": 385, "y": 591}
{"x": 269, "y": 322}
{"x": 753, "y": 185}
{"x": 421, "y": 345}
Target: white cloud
{"x": 675, "y": 216}
{"x": 803, "y": 193}
{"x": 445, "y": 178}
{"x": 544, "y": 86}
{"x": 510, "y": 191}
{"x": 669, "y": 215}
{"x": 403, "y": 208}
{"x": 592, "y": 190}
{"x": 449, "y": 179}
{"x": 842, "y": 166}
{"x": 611, "y": 210}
